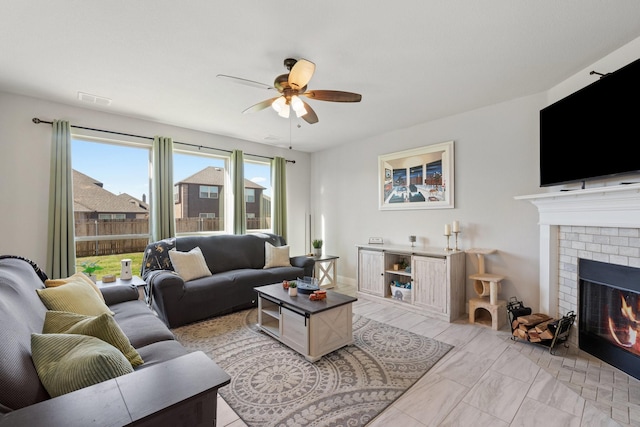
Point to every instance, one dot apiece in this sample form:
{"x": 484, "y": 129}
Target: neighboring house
{"x": 91, "y": 201}
{"x": 201, "y": 195}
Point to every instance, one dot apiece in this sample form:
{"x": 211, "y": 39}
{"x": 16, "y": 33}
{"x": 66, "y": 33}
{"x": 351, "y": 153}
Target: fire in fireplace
{"x": 609, "y": 311}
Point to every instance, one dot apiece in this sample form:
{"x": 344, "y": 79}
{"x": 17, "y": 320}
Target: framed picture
{"x": 420, "y": 178}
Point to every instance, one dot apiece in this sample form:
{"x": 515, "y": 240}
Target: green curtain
{"x": 163, "y": 222}
{"x": 237, "y": 187}
{"x": 279, "y": 204}
{"x": 61, "y": 249}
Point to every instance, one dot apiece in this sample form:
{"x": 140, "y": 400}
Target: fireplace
{"x": 600, "y": 224}
{"x": 608, "y": 308}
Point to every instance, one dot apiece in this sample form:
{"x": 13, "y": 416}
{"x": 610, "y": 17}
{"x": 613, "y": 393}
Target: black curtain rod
{"x": 38, "y": 121}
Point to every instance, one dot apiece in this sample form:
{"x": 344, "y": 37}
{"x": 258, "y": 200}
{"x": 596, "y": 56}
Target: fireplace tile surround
{"x": 600, "y": 224}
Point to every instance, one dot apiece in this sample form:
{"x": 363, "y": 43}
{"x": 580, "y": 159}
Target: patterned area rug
{"x": 272, "y": 385}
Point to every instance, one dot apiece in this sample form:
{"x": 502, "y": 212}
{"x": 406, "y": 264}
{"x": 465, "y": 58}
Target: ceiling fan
{"x": 292, "y": 86}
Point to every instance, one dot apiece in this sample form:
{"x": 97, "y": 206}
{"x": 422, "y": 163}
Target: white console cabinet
{"x": 437, "y": 278}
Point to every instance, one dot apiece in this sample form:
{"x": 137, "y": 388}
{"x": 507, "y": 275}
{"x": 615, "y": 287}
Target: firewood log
{"x": 533, "y": 319}
{"x": 541, "y": 327}
{"x": 546, "y": 335}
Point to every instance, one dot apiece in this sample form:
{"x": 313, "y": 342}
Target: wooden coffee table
{"x": 312, "y": 328}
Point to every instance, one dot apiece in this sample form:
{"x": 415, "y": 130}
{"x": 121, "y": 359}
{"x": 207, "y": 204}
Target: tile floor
{"x": 487, "y": 379}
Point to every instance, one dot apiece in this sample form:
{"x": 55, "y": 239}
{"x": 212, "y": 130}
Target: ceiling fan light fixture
{"x": 296, "y": 103}
{"x": 279, "y": 104}
{"x": 285, "y": 111}
{"x": 301, "y": 111}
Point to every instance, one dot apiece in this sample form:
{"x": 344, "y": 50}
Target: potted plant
{"x": 89, "y": 268}
{"x": 293, "y": 289}
{"x": 317, "y": 247}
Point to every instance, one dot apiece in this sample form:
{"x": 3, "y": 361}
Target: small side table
{"x": 135, "y": 280}
{"x": 325, "y": 270}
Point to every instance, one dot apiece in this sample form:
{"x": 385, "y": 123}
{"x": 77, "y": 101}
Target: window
{"x": 201, "y": 180}
{"x": 258, "y": 194}
{"x": 176, "y": 194}
{"x": 250, "y": 195}
{"x": 208, "y": 192}
{"x": 111, "y": 214}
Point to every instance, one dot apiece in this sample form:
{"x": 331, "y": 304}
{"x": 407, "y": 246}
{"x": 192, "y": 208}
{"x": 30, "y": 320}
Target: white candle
{"x": 456, "y": 227}
{"x": 447, "y": 230}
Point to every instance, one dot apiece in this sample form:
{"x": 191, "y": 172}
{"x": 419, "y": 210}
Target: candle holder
{"x": 456, "y": 233}
{"x": 448, "y": 248}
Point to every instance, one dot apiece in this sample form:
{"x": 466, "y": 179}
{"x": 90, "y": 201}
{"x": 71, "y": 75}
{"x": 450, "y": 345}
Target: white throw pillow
{"x": 189, "y": 265}
{"x": 276, "y": 256}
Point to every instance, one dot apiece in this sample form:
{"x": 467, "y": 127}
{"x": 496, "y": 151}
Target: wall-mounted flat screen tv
{"x": 594, "y": 132}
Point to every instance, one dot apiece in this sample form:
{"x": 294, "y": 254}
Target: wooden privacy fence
{"x": 102, "y": 228}
{"x": 110, "y": 247}
{"x": 120, "y": 228}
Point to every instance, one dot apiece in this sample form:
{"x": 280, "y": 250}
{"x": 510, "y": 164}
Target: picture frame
{"x": 419, "y": 178}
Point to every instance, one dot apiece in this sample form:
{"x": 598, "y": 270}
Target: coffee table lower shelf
{"x": 312, "y": 328}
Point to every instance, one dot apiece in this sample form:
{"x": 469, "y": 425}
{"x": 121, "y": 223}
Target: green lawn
{"x": 111, "y": 263}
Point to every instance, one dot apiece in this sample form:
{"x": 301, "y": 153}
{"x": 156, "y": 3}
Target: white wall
{"x": 496, "y": 158}
{"x": 25, "y": 157}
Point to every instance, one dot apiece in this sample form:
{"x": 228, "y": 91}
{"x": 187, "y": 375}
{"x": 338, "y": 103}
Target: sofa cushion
{"x": 189, "y": 265}
{"x": 69, "y": 362}
{"x": 75, "y": 296}
{"x": 103, "y": 327}
{"x": 224, "y": 252}
{"x": 54, "y": 283}
{"x": 140, "y": 325}
{"x": 276, "y": 256}
{"x": 161, "y": 351}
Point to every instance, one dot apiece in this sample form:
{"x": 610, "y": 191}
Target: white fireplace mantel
{"x": 614, "y": 206}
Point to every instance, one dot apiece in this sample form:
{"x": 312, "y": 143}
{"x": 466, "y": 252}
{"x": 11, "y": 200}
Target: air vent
{"x": 94, "y": 99}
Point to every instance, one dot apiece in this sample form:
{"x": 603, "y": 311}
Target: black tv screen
{"x": 594, "y": 132}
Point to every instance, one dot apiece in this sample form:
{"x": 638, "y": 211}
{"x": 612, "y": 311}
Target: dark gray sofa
{"x": 25, "y": 401}
{"x": 237, "y": 266}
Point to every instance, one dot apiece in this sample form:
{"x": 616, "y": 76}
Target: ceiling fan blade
{"x": 301, "y": 73}
{"x": 311, "y": 117}
{"x": 260, "y": 105}
{"x": 245, "y": 82}
{"x": 333, "y": 95}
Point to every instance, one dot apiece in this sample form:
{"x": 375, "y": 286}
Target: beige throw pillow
{"x": 276, "y": 256}
{"x": 69, "y": 362}
{"x": 103, "y": 327}
{"x": 54, "y": 283}
{"x": 76, "y": 296}
{"x": 189, "y": 265}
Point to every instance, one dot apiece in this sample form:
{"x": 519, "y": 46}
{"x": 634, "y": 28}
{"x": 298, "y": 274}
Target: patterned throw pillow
{"x": 156, "y": 256}
{"x": 69, "y": 362}
{"x": 76, "y": 296}
{"x": 103, "y": 326}
{"x": 189, "y": 265}
{"x": 276, "y": 256}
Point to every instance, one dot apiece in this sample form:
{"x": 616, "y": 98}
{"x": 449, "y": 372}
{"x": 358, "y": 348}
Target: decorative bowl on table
{"x": 307, "y": 285}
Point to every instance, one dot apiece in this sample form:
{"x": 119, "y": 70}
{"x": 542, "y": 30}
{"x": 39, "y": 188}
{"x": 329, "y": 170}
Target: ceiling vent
{"x": 94, "y": 99}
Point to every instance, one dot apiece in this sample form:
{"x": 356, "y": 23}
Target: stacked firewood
{"x": 534, "y": 327}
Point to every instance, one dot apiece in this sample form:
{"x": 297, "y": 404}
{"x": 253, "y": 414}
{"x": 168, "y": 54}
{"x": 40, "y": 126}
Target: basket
{"x": 400, "y": 294}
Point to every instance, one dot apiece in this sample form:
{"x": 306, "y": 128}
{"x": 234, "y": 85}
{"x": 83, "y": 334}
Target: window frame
{"x": 123, "y": 142}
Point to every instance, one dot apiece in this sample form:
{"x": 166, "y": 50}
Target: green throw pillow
{"x": 103, "y": 326}
{"x": 76, "y": 296}
{"x": 69, "y": 362}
